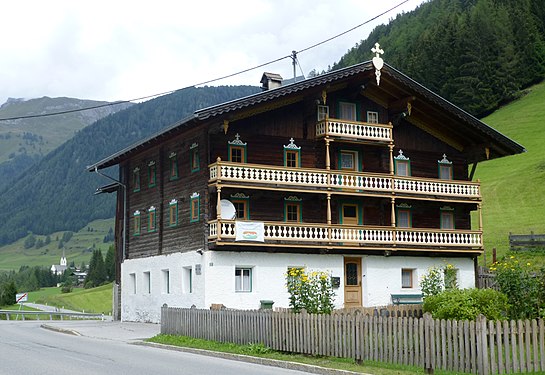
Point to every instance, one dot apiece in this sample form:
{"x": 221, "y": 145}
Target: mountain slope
{"x": 57, "y": 193}
{"x": 23, "y": 142}
{"x": 512, "y": 187}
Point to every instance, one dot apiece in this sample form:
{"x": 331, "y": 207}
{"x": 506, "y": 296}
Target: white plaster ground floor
{"x": 241, "y": 280}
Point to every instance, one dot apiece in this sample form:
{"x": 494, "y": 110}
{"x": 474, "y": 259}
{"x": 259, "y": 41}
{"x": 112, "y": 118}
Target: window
{"x": 323, "y": 112}
{"x": 445, "y": 168}
{"x": 348, "y": 160}
{"x": 173, "y": 213}
{"x": 132, "y": 278}
{"x": 243, "y": 279}
{"x": 372, "y": 117}
{"x": 152, "y": 174}
{"x": 447, "y": 218}
{"x": 194, "y": 158}
{"x": 407, "y": 278}
{"x": 351, "y": 214}
{"x": 152, "y": 219}
{"x": 147, "y": 282}
{"x": 187, "y": 280}
{"x": 136, "y": 179}
{"x": 173, "y": 164}
{"x": 136, "y": 217}
{"x": 166, "y": 281}
{"x": 292, "y": 209}
{"x": 237, "y": 150}
{"x": 402, "y": 165}
{"x": 292, "y": 155}
{"x": 195, "y": 209}
{"x": 403, "y": 216}
{"x": 347, "y": 111}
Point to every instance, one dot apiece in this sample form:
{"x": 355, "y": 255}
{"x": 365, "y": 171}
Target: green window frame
{"x": 447, "y": 218}
{"x": 136, "y": 180}
{"x": 152, "y": 174}
{"x": 173, "y": 166}
{"x": 349, "y": 203}
{"x": 402, "y": 165}
{"x": 292, "y": 155}
{"x": 403, "y": 211}
{"x": 194, "y": 159}
{"x": 152, "y": 219}
{"x": 194, "y": 207}
{"x": 137, "y": 223}
{"x": 293, "y": 210}
{"x": 242, "y": 205}
{"x": 236, "y": 150}
{"x": 173, "y": 213}
{"x": 444, "y": 168}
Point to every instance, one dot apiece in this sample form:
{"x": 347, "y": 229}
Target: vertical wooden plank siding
{"x": 481, "y": 346}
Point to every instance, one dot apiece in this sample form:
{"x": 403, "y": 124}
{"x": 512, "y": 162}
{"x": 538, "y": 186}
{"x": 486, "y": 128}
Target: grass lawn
{"x": 512, "y": 187}
{"x": 258, "y": 350}
{"x": 95, "y": 300}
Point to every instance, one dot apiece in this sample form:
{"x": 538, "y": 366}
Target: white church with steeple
{"x": 58, "y": 269}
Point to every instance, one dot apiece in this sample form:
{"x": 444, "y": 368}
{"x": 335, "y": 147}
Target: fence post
{"x": 483, "y": 365}
{"x": 429, "y": 344}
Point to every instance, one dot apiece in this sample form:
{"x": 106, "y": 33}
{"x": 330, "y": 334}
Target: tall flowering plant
{"x": 310, "y": 291}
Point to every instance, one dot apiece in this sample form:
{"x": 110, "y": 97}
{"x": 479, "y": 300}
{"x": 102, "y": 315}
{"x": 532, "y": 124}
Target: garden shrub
{"x": 312, "y": 292}
{"x": 467, "y": 304}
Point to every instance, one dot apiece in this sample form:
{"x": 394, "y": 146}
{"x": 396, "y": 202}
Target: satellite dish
{"x": 228, "y": 211}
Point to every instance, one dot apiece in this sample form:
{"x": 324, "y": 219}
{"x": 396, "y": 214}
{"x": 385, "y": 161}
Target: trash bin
{"x": 266, "y": 304}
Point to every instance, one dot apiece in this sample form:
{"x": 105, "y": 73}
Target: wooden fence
{"x": 482, "y": 347}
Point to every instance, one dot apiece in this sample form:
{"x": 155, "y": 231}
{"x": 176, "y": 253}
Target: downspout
{"x": 124, "y": 208}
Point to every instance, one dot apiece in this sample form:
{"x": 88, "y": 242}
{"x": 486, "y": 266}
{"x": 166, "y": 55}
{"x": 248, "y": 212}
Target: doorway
{"x": 352, "y": 282}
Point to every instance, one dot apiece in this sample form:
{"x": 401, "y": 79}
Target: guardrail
{"x": 61, "y": 315}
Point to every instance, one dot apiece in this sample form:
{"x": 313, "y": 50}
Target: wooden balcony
{"x": 335, "y": 128}
{"x": 305, "y": 179}
{"x": 350, "y": 237}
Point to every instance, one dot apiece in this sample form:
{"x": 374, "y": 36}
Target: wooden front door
{"x": 352, "y": 282}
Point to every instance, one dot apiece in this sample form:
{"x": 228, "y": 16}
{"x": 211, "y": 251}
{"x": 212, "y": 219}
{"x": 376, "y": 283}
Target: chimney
{"x": 270, "y": 81}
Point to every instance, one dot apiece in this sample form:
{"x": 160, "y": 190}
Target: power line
{"x": 210, "y": 80}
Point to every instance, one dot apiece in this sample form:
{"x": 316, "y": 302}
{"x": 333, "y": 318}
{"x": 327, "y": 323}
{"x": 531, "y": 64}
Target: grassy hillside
{"x": 96, "y": 300}
{"x": 79, "y": 249}
{"x": 513, "y": 187}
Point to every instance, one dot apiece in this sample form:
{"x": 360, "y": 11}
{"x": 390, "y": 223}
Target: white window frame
{"x": 132, "y": 278}
{"x": 243, "y": 279}
{"x": 147, "y": 282}
{"x": 372, "y": 117}
{"x": 187, "y": 280}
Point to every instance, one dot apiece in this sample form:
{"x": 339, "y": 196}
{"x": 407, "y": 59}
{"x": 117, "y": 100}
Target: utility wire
{"x": 208, "y": 81}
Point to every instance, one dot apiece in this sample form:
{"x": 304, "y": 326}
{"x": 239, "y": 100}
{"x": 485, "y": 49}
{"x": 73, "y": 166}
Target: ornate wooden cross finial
{"x": 377, "y": 60}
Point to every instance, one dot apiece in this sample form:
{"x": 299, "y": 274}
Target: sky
{"x": 123, "y": 50}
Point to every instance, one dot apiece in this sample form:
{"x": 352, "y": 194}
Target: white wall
{"x": 381, "y": 277}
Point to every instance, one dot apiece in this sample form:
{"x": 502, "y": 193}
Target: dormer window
{"x": 445, "y": 168}
{"x": 402, "y": 165}
{"x": 292, "y": 155}
{"x": 237, "y": 150}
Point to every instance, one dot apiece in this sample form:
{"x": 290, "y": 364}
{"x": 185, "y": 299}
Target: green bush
{"x": 467, "y": 304}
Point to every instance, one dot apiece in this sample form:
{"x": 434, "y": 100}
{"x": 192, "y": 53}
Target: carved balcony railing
{"x": 301, "y": 178}
{"x": 354, "y": 129}
{"x": 336, "y": 235}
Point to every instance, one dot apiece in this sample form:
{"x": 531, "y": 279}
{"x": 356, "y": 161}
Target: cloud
{"x": 115, "y": 50}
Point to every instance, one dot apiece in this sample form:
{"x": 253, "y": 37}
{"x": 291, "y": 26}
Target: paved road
{"x": 102, "y": 348}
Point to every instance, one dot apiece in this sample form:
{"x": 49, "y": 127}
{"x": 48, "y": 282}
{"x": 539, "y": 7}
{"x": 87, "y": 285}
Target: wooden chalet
{"x": 361, "y": 172}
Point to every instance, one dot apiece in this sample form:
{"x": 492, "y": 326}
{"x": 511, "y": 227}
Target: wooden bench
{"x": 520, "y": 241}
{"x": 406, "y": 299}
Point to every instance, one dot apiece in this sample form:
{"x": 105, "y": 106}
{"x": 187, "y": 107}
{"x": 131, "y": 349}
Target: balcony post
{"x": 391, "y": 147}
{"x": 327, "y": 158}
{"x": 329, "y": 217}
{"x": 480, "y": 209}
{"x": 218, "y": 170}
{"x": 393, "y": 219}
{"x": 218, "y": 213}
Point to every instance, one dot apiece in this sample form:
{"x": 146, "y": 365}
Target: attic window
{"x": 237, "y": 150}
{"x": 445, "y": 168}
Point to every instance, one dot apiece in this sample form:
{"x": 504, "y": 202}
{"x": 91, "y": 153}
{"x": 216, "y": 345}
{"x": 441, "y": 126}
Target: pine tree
{"x": 109, "y": 263}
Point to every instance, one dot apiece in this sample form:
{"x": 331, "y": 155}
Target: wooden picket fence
{"x": 481, "y": 347}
